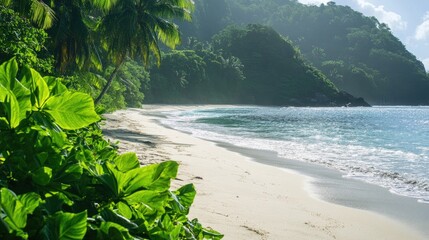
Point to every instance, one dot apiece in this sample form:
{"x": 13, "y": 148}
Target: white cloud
{"x": 314, "y": 2}
{"x": 426, "y": 63}
{"x": 422, "y": 31}
{"x": 392, "y": 19}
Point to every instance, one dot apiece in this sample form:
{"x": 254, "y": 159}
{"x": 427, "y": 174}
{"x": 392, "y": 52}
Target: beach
{"x": 240, "y": 197}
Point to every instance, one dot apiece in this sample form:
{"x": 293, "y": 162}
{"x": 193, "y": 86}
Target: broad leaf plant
{"x": 59, "y": 179}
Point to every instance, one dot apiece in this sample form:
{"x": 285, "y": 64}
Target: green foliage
{"x": 138, "y": 26}
{"x": 252, "y": 65}
{"x": 210, "y": 17}
{"x": 39, "y": 12}
{"x": 134, "y": 29}
{"x": 71, "y": 110}
{"x": 126, "y": 91}
{"x": 134, "y": 78}
{"x": 274, "y": 69}
{"x": 19, "y": 39}
{"x": 65, "y": 225}
{"x": 375, "y": 64}
{"x": 61, "y": 180}
{"x": 196, "y": 76}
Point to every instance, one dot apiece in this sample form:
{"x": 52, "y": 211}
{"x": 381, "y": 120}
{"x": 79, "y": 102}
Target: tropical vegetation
{"x": 60, "y": 178}
{"x": 251, "y": 65}
{"x": 358, "y": 54}
{"x": 94, "y": 38}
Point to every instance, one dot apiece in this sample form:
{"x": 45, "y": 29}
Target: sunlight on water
{"x": 387, "y": 146}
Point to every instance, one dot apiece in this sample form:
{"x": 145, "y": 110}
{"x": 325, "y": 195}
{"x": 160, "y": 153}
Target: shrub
{"x": 61, "y": 180}
{"x": 24, "y": 42}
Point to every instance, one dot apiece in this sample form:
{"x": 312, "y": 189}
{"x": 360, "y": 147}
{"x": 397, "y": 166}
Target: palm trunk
{"x": 109, "y": 82}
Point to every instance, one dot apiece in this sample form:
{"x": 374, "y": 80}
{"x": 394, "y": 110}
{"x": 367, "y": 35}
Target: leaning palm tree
{"x": 73, "y": 44}
{"x": 67, "y": 23}
{"x": 134, "y": 28}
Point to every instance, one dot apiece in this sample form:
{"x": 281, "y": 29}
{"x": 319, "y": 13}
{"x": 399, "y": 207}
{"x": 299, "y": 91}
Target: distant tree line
{"x": 357, "y": 53}
{"x": 243, "y": 65}
{"x": 334, "y": 46}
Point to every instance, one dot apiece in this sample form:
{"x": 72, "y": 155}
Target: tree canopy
{"x": 252, "y": 65}
{"x": 358, "y": 54}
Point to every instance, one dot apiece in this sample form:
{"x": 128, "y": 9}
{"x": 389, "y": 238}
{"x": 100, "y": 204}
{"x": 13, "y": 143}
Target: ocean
{"x": 386, "y": 146}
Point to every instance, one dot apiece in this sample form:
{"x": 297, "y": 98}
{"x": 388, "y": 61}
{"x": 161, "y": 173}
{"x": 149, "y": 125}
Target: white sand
{"x": 239, "y": 197}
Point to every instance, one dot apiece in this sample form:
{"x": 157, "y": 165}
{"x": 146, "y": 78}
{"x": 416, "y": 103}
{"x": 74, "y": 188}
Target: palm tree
{"x": 38, "y": 11}
{"x": 134, "y": 28}
{"x": 73, "y": 37}
{"x": 67, "y": 23}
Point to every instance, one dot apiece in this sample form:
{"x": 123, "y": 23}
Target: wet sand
{"x": 241, "y": 197}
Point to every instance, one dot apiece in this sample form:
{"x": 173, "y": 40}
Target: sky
{"x": 408, "y": 20}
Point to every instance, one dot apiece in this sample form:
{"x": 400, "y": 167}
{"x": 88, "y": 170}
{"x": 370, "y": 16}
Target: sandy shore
{"x": 239, "y": 197}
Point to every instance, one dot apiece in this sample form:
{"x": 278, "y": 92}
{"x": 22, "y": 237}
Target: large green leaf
{"x": 126, "y": 183}
{"x": 30, "y": 201}
{"x": 55, "y": 85}
{"x": 10, "y": 106}
{"x": 42, "y": 176}
{"x": 106, "y": 177}
{"x": 111, "y": 216}
{"x": 152, "y": 200}
{"x": 124, "y": 210}
{"x": 23, "y": 96}
{"x": 72, "y": 226}
{"x": 111, "y": 230}
{"x": 32, "y": 80}
{"x": 8, "y": 71}
{"x": 153, "y": 177}
{"x": 65, "y": 226}
{"x": 127, "y": 161}
{"x": 166, "y": 229}
{"x": 183, "y": 198}
{"x": 15, "y": 213}
{"x": 70, "y": 174}
{"x": 72, "y": 110}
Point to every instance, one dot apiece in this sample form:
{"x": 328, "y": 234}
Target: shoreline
{"x": 331, "y": 186}
{"x": 240, "y": 197}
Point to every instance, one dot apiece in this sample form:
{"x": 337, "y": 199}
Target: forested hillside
{"x": 357, "y": 53}
{"x": 251, "y": 65}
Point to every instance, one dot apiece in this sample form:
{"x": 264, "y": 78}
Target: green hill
{"x": 257, "y": 66}
{"x": 357, "y": 53}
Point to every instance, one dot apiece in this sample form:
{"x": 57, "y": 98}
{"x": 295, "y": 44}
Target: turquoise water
{"x": 387, "y": 146}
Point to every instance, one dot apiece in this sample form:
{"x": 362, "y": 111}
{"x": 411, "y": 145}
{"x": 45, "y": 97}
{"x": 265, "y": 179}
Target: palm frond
{"x": 167, "y": 9}
{"x": 104, "y": 5}
{"x": 168, "y": 33}
{"x": 42, "y": 14}
{"x": 134, "y": 27}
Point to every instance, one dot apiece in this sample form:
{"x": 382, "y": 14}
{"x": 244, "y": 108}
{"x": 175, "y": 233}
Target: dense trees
{"x": 376, "y": 64}
{"x": 60, "y": 178}
{"x": 200, "y": 75}
{"x": 252, "y": 65}
{"x": 68, "y": 26}
{"x": 91, "y": 40}
{"x": 135, "y": 28}
{"x": 275, "y": 71}
{"x": 357, "y": 53}
{"x": 19, "y": 39}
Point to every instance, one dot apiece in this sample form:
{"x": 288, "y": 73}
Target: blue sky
{"x": 408, "y": 20}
